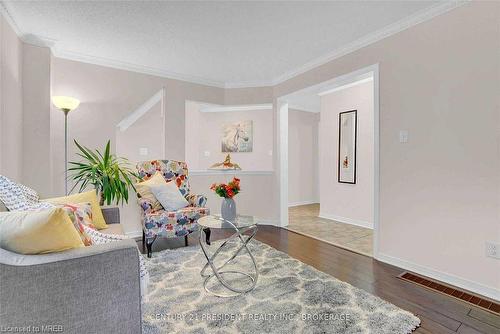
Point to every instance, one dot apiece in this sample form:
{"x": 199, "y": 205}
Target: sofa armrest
{"x": 85, "y": 290}
{"x": 196, "y": 200}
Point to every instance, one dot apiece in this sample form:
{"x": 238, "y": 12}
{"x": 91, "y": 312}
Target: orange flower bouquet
{"x": 227, "y": 190}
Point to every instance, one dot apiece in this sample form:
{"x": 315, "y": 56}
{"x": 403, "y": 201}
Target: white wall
{"x": 351, "y": 203}
{"x": 146, "y": 132}
{"x": 36, "y": 119}
{"x": 108, "y": 95}
{"x": 204, "y": 133}
{"x": 439, "y": 193}
{"x": 303, "y": 183}
{"x": 11, "y": 102}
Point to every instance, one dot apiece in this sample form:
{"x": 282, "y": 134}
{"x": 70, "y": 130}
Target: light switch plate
{"x": 206, "y": 153}
{"x": 403, "y": 136}
{"x": 143, "y": 151}
{"x": 493, "y": 249}
{"x": 270, "y": 152}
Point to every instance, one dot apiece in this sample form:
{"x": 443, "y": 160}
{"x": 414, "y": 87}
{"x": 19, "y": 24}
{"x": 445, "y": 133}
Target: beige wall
{"x": 11, "y": 106}
{"x": 303, "y": 183}
{"x": 350, "y": 203}
{"x": 108, "y": 95}
{"x": 36, "y": 119}
{"x": 439, "y": 192}
{"x": 204, "y": 133}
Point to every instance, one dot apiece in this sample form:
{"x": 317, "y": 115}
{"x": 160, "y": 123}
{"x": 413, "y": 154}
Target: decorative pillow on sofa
{"x": 18, "y": 197}
{"x": 80, "y": 215}
{"x": 38, "y": 232}
{"x": 88, "y": 196}
{"x": 169, "y": 196}
{"x": 144, "y": 189}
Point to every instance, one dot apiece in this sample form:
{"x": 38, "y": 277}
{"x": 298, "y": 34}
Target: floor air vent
{"x": 483, "y": 303}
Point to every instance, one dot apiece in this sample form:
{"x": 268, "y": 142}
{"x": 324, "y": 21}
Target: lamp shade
{"x": 65, "y": 102}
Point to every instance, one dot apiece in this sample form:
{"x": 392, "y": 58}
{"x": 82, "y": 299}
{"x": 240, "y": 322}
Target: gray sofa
{"x": 86, "y": 290}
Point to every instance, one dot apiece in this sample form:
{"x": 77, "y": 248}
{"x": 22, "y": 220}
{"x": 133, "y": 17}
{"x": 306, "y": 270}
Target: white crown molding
{"x": 392, "y": 29}
{"x": 10, "y": 20}
{"x": 239, "y": 107}
{"x": 349, "y": 85}
{"x": 376, "y": 36}
{"x": 296, "y": 106}
{"x": 134, "y": 67}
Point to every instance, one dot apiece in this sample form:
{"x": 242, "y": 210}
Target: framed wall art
{"x": 347, "y": 146}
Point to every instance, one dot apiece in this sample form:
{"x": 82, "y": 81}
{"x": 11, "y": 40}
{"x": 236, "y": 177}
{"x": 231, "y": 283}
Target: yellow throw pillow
{"x": 144, "y": 189}
{"x": 88, "y": 196}
{"x": 38, "y": 232}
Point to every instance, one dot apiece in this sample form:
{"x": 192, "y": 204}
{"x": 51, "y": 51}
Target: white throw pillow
{"x": 169, "y": 196}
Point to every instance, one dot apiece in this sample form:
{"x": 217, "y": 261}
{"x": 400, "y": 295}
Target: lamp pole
{"x": 65, "y": 111}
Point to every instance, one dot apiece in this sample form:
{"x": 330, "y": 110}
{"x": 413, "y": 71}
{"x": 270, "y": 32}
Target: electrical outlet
{"x": 493, "y": 250}
{"x": 143, "y": 151}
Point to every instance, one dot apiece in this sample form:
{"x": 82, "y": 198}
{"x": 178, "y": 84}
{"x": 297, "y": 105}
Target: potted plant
{"x": 227, "y": 192}
{"x": 111, "y": 176}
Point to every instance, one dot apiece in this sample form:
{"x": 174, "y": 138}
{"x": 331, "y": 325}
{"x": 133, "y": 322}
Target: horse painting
{"x": 237, "y": 137}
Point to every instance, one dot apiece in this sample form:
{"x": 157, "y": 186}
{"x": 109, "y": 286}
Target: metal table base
{"x": 218, "y": 272}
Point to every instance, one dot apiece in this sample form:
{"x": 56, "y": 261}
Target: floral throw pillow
{"x": 80, "y": 215}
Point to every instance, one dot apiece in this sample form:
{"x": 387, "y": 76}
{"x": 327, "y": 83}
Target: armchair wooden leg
{"x": 207, "y": 235}
{"x": 143, "y": 240}
{"x": 149, "y": 245}
{"x": 186, "y": 240}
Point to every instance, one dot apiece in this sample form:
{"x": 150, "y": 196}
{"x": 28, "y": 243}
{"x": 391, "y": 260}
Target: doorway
{"x": 314, "y": 200}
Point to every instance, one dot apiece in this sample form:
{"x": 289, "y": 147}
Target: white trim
{"x": 241, "y": 107}
{"x": 372, "y": 70}
{"x": 272, "y": 222}
{"x": 143, "y": 109}
{"x": 313, "y": 201}
{"x": 282, "y": 130}
{"x": 463, "y": 283}
{"x": 349, "y": 85}
{"x": 229, "y": 172}
{"x": 376, "y": 159}
{"x": 346, "y": 220}
{"x": 10, "y": 20}
{"x": 392, "y": 29}
{"x": 298, "y": 107}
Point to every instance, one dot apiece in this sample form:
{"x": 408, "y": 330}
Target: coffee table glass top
{"x": 216, "y": 221}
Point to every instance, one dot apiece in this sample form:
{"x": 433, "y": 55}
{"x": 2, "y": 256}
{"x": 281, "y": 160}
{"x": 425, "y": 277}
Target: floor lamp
{"x": 65, "y": 104}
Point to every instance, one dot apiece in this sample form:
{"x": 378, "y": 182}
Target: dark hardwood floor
{"x": 438, "y": 313}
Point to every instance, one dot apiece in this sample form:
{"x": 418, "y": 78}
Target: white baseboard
{"x": 272, "y": 222}
{"x": 345, "y": 220}
{"x": 303, "y": 203}
{"x": 134, "y": 234}
{"x": 463, "y": 283}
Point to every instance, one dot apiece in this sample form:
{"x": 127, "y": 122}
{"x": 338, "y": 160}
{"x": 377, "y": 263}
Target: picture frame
{"x": 347, "y": 158}
{"x": 237, "y": 137}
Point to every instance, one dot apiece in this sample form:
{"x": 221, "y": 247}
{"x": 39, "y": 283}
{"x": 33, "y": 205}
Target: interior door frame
{"x": 282, "y": 113}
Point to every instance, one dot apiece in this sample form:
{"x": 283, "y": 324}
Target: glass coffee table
{"x": 239, "y": 226}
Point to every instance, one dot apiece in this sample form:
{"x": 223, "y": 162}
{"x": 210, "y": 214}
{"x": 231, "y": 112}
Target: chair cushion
{"x": 169, "y": 196}
{"x": 173, "y": 223}
{"x": 144, "y": 189}
{"x": 171, "y": 170}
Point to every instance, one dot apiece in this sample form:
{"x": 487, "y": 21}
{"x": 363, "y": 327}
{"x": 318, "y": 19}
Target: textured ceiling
{"x": 223, "y": 43}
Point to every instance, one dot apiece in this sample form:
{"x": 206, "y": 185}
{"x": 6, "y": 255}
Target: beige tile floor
{"x": 304, "y": 220}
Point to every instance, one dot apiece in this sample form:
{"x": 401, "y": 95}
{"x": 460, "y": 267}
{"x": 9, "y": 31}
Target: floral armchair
{"x": 170, "y": 224}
